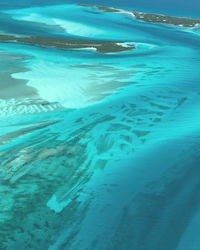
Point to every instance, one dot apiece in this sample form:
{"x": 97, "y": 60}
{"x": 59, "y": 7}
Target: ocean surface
{"x": 99, "y": 151}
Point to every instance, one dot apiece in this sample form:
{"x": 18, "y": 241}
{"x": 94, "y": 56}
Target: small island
{"x": 151, "y": 18}
{"x": 67, "y": 43}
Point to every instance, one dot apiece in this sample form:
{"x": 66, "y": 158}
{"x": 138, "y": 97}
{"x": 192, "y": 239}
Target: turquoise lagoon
{"x": 99, "y": 151}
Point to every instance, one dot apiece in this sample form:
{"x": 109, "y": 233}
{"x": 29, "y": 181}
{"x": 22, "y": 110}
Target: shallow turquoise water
{"x": 99, "y": 151}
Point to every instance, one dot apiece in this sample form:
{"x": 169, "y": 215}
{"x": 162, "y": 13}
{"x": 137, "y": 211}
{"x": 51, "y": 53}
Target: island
{"x": 67, "y": 43}
{"x": 150, "y": 17}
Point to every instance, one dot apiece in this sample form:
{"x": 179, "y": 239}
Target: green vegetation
{"x": 66, "y": 43}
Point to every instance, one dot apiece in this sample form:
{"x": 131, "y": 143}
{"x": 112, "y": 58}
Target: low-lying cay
{"x": 66, "y": 43}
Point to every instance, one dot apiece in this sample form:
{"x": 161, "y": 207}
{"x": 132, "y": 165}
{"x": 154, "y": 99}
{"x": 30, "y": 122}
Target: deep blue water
{"x": 99, "y": 151}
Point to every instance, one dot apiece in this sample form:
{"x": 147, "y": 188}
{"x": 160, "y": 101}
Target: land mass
{"x": 149, "y": 17}
{"x": 66, "y": 43}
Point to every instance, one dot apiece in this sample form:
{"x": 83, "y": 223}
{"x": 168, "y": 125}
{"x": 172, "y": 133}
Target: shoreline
{"x": 67, "y": 43}
{"x": 150, "y": 17}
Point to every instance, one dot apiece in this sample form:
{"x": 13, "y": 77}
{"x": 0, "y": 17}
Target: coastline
{"x": 67, "y": 43}
{"x": 150, "y": 17}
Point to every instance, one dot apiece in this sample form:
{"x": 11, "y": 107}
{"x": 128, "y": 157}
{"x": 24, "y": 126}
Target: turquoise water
{"x": 99, "y": 151}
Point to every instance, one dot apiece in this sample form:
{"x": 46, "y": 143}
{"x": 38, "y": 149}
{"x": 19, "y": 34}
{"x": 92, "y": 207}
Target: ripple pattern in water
{"x": 98, "y": 150}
